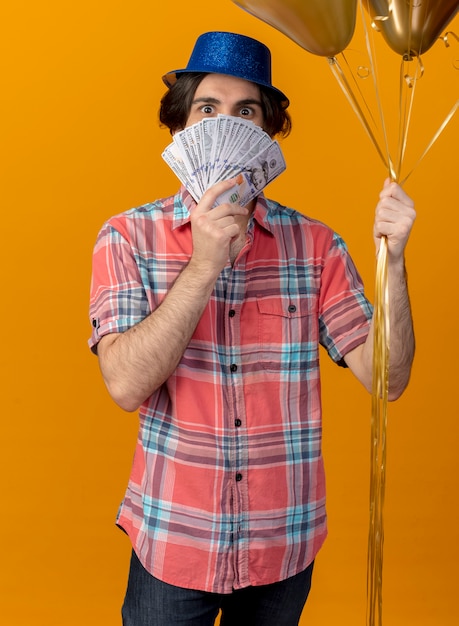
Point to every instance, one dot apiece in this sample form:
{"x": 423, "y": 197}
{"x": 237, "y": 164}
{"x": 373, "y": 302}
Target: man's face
{"x": 218, "y": 93}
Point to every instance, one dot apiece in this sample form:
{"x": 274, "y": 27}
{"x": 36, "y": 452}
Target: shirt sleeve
{"x": 344, "y": 311}
{"x": 118, "y": 299}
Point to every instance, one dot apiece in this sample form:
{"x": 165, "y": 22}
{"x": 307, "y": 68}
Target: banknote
{"x": 258, "y": 172}
{"x": 220, "y": 148}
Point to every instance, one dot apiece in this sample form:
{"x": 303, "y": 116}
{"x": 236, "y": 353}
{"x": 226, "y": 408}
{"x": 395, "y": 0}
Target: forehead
{"x": 221, "y": 84}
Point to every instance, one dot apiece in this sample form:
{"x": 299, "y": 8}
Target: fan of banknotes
{"x": 223, "y": 147}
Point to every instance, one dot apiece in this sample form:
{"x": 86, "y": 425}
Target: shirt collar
{"x": 262, "y": 213}
{"x": 183, "y": 204}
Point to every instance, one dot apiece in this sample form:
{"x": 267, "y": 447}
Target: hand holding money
{"x": 214, "y": 229}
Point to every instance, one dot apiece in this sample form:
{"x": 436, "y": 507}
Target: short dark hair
{"x": 176, "y": 106}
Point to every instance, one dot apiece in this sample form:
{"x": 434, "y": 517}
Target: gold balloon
{"x": 410, "y": 27}
{"x": 323, "y": 27}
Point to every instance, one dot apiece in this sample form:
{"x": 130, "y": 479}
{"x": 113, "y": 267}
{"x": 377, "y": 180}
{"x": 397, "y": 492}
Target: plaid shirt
{"x": 227, "y": 486}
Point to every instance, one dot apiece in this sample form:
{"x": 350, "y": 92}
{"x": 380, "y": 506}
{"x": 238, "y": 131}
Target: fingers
{"x": 215, "y": 227}
{"x": 394, "y": 218}
{"x": 209, "y": 198}
{"x": 394, "y": 204}
{"x": 221, "y": 219}
{"x": 393, "y": 190}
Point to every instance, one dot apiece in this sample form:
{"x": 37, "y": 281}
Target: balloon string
{"x": 369, "y": 42}
{"x": 442, "y": 127}
{"x": 380, "y": 367}
{"x": 380, "y": 388}
{"x": 378, "y": 439}
{"x": 406, "y": 92}
{"x": 445, "y": 39}
{"x": 345, "y": 86}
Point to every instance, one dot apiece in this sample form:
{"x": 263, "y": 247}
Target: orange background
{"x": 80, "y": 86}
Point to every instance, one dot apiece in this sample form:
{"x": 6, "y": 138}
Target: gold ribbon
{"x": 446, "y": 40}
{"x": 380, "y": 354}
{"x": 442, "y": 127}
{"x": 358, "y": 110}
{"x": 380, "y": 391}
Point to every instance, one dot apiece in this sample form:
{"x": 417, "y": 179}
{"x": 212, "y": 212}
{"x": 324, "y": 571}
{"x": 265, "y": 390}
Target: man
{"x": 209, "y": 321}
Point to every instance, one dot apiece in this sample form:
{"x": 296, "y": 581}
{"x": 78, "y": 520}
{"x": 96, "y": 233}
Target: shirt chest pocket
{"x": 288, "y": 333}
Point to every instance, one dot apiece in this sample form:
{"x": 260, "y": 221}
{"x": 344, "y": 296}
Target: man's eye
{"x": 245, "y": 111}
{"x": 207, "y": 109}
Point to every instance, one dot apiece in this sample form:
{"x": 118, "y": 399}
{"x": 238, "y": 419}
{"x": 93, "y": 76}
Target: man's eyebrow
{"x": 207, "y": 99}
{"x": 210, "y": 100}
{"x": 249, "y": 101}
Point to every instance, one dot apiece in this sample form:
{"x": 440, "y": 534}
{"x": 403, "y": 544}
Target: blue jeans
{"x": 150, "y": 602}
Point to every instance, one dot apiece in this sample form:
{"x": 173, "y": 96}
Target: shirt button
{"x": 237, "y": 422}
{"x": 232, "y": 313}
{"x": 233, "y": 367}
{"x": 238, "y": 477}
{"x": 291, "y": 308}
